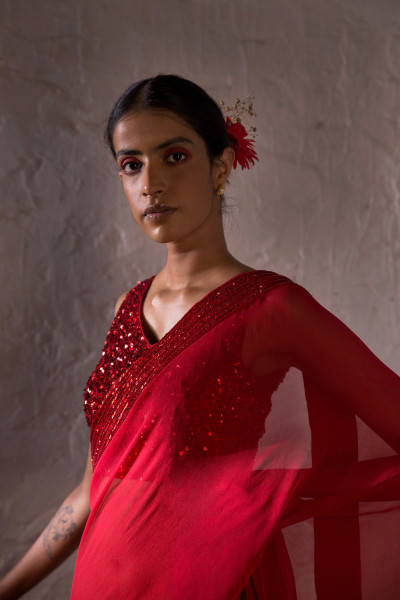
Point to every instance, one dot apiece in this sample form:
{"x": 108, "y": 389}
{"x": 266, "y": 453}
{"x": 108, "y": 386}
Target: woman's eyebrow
{"x": 175, "y": 140}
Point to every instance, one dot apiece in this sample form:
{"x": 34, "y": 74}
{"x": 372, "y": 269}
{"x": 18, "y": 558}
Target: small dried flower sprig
{"x": 238, "y": 135}
{"x": 238, "y": 109}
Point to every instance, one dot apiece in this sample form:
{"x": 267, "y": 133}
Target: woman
{"x": 224, "y": 406}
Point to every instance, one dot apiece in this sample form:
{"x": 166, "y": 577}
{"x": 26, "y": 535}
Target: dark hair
{"x": 180, "y": 96}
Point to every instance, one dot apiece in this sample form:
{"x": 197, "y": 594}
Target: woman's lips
{"x": 154, "y": 212}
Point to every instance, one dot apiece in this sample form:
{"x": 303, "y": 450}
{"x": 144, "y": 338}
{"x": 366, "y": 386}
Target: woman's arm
{"x": 337, "y": 360}
{"x": 58, "y": 540}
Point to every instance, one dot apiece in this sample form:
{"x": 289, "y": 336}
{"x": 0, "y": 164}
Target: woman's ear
{"x": 223, "y": 166}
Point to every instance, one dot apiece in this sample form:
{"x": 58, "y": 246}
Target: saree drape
{"x": 225, "y": 467}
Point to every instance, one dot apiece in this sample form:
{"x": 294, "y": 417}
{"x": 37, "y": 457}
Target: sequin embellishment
{"x": 123, "y": 345}
{"x": 129, "y": 362}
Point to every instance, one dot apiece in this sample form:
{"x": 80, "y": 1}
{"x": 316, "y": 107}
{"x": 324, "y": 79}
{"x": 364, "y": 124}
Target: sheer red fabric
{"x": 251, "y": 453}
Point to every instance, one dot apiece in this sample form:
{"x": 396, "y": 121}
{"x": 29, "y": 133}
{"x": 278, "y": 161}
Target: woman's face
{"x": 167, "y": 177}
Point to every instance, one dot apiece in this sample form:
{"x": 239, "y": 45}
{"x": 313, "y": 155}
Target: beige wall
{"x": 322, "y": 206}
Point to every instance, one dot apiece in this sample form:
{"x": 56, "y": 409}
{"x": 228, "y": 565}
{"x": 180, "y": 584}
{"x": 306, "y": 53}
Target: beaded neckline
{"x": 146, "y": 286}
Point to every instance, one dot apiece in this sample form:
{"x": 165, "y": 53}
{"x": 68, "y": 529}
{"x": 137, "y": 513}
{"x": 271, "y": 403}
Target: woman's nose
{"x": 152, "y": 181}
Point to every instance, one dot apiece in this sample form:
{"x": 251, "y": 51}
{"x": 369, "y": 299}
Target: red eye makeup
{"x": 130, "y": 165}
{"x": 174, "y": 156}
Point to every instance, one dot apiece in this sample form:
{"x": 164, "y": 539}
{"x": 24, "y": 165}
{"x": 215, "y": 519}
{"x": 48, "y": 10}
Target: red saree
{"x": 228, "y": 459}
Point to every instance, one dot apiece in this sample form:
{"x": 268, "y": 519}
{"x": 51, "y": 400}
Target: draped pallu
{"x": 224, "y": 469}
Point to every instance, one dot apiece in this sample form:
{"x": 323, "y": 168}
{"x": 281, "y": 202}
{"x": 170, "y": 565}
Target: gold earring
{"x": 220, "y": 189}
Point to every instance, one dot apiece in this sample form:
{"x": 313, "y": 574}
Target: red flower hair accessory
{"x": 245, "y": 155}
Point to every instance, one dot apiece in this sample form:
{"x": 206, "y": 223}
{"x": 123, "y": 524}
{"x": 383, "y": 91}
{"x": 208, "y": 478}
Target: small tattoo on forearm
{"x": 62, "y": 527}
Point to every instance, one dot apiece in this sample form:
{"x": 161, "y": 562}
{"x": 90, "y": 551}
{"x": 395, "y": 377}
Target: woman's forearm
{"x": 58, "y": 540}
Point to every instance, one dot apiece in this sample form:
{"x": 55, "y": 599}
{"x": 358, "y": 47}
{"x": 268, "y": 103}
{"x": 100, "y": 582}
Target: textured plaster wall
{"x": 322, "y": 206}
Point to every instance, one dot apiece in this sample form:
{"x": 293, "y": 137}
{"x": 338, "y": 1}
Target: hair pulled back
{"x": 177, "y": 95}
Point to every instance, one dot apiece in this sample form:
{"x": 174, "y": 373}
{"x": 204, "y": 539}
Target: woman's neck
{"x": 208, "y": 264}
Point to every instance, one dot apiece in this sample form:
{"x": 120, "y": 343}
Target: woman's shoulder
{"x": 257, "y": 281}
{"x": 277, "y": 288}
{"x": 120, "y": 301}
{"x": 289, "y": 296}
{"x": 285, "y": 299}
{"x": 133, "y": 295}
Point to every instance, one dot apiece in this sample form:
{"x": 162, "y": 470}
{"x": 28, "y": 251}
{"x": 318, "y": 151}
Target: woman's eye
{"x": 176, "y": 157}
{"x": 131, "y": 166}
